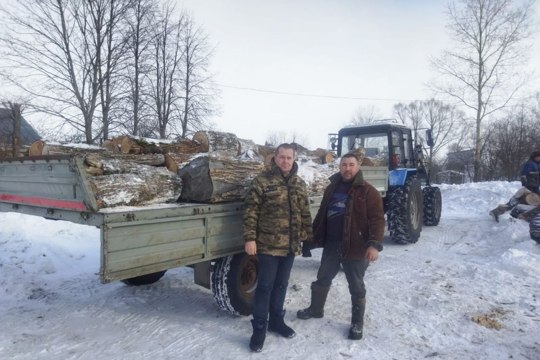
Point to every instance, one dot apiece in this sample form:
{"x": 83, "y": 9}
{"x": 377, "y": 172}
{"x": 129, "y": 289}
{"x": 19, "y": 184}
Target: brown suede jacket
{"x": 364, "y": 218}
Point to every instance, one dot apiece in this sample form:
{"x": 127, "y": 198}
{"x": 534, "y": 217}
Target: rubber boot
{"x": 277, "y": 324}
{"x": 318, "y": 299}
{"x": 256, "y": 342}
{"x": 498, "y": 211}
{"x": 357, "y": 319}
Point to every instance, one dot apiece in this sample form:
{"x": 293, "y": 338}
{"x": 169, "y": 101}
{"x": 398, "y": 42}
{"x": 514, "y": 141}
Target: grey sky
{"x": 374, "y": 51}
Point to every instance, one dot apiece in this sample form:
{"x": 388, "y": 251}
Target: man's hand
{"x": 251, "y": 247}
{"x": 306, "y": 249}
{"x": 372, "y": 254}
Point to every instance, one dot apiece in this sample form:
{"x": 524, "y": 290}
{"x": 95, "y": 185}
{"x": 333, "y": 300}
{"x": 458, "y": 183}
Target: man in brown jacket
{"x": 350, "y": 227}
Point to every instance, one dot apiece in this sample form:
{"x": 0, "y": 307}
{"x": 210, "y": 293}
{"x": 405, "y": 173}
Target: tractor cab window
{"x": 374, "y": 146}
{"x": 401, "y": 150}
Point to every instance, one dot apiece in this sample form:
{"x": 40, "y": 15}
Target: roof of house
{"x": 28, "y": 133}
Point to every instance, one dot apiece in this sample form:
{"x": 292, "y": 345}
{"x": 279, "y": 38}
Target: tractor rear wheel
{"x": 432, "y": 205}
{"x": 405, "y": 212}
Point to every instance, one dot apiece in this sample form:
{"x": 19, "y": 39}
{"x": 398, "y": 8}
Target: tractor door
{"x": 401, "y": 155}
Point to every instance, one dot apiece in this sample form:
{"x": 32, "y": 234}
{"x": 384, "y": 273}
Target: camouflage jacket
{"x": 277, "y": 212}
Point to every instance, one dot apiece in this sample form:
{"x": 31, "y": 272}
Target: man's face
{"x": 536, "y": 158}
{"x": 284, "y": 160}
{"x": 348, "y": 168}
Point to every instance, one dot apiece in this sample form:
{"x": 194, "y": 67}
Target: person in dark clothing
{"x": 530, "y": 173}
{"x": 529, "y": 194}
{"x": 276, "y": 221}
{"x": 350, "y": 227}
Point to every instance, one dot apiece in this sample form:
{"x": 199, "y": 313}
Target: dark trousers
{"x": 354, "y": 270}
{"x": 272, "y": 282}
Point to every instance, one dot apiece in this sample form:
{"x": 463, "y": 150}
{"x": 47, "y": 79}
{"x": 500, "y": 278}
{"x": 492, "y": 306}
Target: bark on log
{"x": 218, "y": 143}
{"x": 144, "y": 185}
{"x": 40, "y": 147}
{"x": 217, "y": 179}
{"x": 248, "y": 149}
{"x": 184, "y": 146}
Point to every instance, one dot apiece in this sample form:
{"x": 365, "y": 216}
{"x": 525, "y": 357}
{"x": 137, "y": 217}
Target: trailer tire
{"x": 405, "y": 212}
{"x": 144, "y": 279}
{"x": 432, "y": 205}
{"x": 234, "y": 281}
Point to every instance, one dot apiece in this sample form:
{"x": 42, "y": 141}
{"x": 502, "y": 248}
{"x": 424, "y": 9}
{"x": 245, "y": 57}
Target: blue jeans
{"x": 354, "y": 270}
{"x": 272, "y": 282}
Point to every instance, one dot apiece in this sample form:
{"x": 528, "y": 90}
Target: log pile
{"x": 212, "y": 167}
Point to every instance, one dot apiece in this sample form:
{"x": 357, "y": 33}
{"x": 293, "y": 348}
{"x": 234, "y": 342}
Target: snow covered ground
{"x": 422, "y": 298}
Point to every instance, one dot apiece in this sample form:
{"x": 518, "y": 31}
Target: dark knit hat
{"x": 534, "y": 154}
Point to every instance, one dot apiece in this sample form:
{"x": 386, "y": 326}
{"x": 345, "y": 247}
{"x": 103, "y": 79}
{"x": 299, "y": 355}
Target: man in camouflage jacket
{"x": 277, "y": 219}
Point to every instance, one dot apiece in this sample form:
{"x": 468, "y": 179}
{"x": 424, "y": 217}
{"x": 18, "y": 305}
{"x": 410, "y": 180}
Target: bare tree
{"x": 511, "y": 140}
{"x": 52, "y": 62}
{"x": 441, "y": 119}
{"x": 279, "y": 137}
{"x": 64, "y": 53}
{"x": 15, "y": 110}
{"x": 481, "y": 70}
{"x": 365, "y": 115}
{"x": 198, "y": 94}
{"x": 168, "y": 54}
{"x": 110, "y": 36}
{"x": 141, "y": 22}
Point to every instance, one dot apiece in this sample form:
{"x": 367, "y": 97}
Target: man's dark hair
{"x": 287, "y": 146}
{"x": 350, "y": 155}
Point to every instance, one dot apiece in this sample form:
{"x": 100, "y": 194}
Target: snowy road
{"x": 422, "y": 298}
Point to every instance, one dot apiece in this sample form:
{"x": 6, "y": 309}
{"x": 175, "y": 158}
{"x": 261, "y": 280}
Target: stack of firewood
{"x": 212, "y": 167}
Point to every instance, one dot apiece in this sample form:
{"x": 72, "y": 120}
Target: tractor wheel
{"x": 432, "y": 205}
{"x": 144, "y": 279}
{"x": 405, "y": 213}
{"x": 234, "y": 281}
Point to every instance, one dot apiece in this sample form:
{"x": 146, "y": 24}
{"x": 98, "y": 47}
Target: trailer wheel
{"x": 405, "y": 212}
{"x": 432, "y": 205}
{"x": 144, "y": 279}
{"x": 234, "y": 281}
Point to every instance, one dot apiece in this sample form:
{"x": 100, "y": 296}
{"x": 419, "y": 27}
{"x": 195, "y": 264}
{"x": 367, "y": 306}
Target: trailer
{"x": 139, "y": 244}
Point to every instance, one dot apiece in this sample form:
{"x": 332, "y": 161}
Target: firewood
{"x": 36, "y": 148}
{"x": 217, "y": 179}
{"x": 218, "y": 143}
{"x": 143, "y": 185}
{"x": 183, "y": 146}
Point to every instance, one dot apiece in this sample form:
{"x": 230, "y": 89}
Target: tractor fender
{"x": 398, "y": 177}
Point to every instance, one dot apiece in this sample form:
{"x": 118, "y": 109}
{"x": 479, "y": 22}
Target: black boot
{"x": 318, "y": 299}
{"x": 256, "y": 342}
{"x": 277, "y": 324}
{"x": 357, "y": 319}
{"x": 498, "y": 211}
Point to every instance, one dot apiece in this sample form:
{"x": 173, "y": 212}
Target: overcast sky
{"x": 352, "y": 53}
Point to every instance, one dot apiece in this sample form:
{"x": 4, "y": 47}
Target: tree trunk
{"x": 140, "y": 185}
{"x": 217, "y": 179}
{"x": 218, "y": 143}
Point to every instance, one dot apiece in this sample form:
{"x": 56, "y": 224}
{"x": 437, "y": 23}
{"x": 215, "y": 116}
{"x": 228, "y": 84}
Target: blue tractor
{"x": 410, "y": 201}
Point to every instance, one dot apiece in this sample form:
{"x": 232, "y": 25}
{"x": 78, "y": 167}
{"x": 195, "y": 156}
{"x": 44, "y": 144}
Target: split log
{"x": 184, "y": 146}
{"x": 40, "y": 147}
{"x": 217, "y": 179}
{"x": 131, "y": 145}
{"x": 176, "y": 161}
{"x": 144, "y": 185}
{"x": 218, "y": 143}
{"x": 36, "y": 148}
{"x": 112, "y": 163}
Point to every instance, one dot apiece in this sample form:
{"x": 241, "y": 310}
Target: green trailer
{"x": 139, "y": 244}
